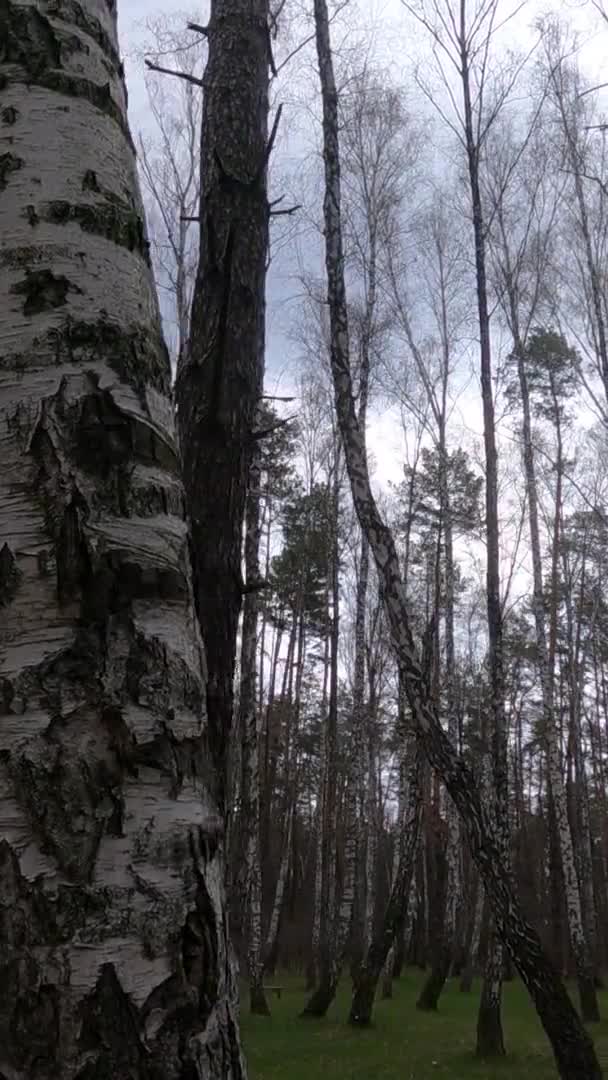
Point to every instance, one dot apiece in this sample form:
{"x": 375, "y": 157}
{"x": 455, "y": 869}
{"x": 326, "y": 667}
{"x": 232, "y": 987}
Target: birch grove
{"x": 303, "y": 536}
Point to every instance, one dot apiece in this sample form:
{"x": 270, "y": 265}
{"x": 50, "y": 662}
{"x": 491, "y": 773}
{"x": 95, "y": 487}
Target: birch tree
{"x": 525, "y": 202}
{"x": 114, "y": 959}
{"x": 573, "y": 1049}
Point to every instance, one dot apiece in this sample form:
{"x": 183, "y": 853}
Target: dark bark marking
{"x": 9, "y": 575}
{"x": 71, "y": 12}
{"x": 33, "y": 43}
{"x": 31, "y": 215}
{"x": 99, "y": 96}
{"x": 43, "y": 291}
{"x": 111, "y": 1031}
{"x": 28, "y": 39}
{"x": 9, "y": 115}
{"x": 113, "y": 218}
{"x": 199, "y": 945}
{"x": 71, "y": 556}
{"x": 154, "y": 675}
{"x": 70, "y": 799}
{"x": 90, "y": 181}
{"x": 35, "y": 1030}
{"x": 138, "y": 357}
{"x": 9, "y": 163}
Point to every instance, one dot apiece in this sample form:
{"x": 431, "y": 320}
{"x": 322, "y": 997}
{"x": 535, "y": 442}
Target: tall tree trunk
{"x": 389, "y": 964}
{"x": 444, "y": 948}
{"x": 321, "y": 999}
{"x": 574, "y": 907}
{"x": 320, "y": 830}
{"x": 219, "y": 382}
{"x": 577, "y": 658}
{"x": 489, "y": 1028}
{"x": 468, "y": 971}
{"x": 559, "y": 821}
{"x": 114, "y": 959}
{"x": 292, "y": 696}
{"x": 368, "y": 974}
{"x": 250, "y": 743}
{"x": 572, "y": 1046}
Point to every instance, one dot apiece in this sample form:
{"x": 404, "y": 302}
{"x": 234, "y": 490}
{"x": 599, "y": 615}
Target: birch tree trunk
{"x": 114, "y": 960}
{"x": 468, "y": 972}
{"x": 574, "y": 1052}
{"x": 219, "y": 381}
{"x": 389, "y": 964}
{"x": 376, "y": 953}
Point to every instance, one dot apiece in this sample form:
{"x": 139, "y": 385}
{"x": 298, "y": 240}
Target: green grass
{"x": 402, "y": 1044}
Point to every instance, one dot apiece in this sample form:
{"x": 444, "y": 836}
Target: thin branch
{"x": 311, "y": 37}
{"x": 592, "y": 89}
{"x": 178, "y": 74}
{"x": 263, "y": 433}
{"x": 273, "y": 134}
{"x": 287, "y": 211}
{"x": 198, "y": 29}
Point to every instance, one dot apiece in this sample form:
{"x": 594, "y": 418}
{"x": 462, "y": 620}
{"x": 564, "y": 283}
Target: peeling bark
{"x": 114, "y": 960}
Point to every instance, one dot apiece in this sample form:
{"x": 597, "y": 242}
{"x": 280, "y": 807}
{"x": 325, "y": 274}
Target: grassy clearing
{"x": 403, "y": 1044}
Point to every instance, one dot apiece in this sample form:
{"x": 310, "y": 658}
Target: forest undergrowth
{"x": 403, "y": 1043}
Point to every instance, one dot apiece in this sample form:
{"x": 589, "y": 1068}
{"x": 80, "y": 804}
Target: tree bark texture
{"x": 114, "y": 960}
{"x": 219, "y": 382}
{"x": 574, "y": 1051}
{"x": 250, "y": 821}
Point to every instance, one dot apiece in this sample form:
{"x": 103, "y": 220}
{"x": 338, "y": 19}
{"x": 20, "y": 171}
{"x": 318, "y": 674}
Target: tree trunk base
{"x": 363, "y": 1002}
{"x": 387, "y": 988}
{"x": 319, "y": 1003}
{"x": 431, "y": 991}
{"x": 258, "y": 1004}
{"x": 590, "y": 1010}
{"x": 490, "y": 1040}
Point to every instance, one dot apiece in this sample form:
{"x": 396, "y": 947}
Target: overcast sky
{"x": 384, "y": 23}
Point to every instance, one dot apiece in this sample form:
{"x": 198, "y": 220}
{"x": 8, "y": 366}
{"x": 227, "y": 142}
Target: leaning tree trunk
{"x": 219, "y": 382}
{"x": 389, "y": 963}
{"x": 573, "y": 1048}
{"x": 114, "y": 960}
{"x": 468, "y": 972}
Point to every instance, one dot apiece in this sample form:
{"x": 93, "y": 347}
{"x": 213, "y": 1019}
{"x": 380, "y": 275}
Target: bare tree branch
{"x": 178, "y": 74}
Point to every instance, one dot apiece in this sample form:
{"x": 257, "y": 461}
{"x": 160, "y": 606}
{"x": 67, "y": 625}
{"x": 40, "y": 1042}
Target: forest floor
{"x": 402, "y": 1044}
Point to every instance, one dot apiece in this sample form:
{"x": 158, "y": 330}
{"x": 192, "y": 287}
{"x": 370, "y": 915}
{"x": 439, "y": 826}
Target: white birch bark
{"x": 111, "y": 865}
